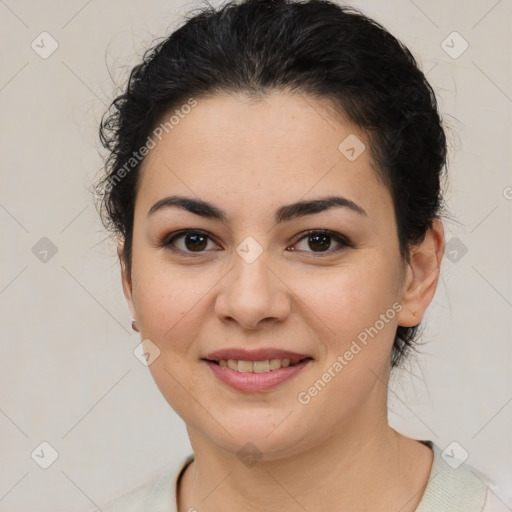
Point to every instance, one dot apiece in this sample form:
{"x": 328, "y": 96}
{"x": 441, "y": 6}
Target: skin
{"x": 249, "y": 158}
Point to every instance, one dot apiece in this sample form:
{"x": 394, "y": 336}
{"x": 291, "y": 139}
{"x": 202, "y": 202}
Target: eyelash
{"x": 343, "y": 241}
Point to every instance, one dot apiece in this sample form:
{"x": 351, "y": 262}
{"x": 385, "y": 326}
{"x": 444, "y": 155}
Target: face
{"x": 245, "y": 274}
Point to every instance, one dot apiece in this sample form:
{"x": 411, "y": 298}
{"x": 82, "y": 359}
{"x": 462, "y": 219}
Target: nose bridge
{"x": 252, "y": 292}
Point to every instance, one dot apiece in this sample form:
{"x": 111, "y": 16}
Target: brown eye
{"x": 320, "y": 241}
{"x": 191, "y": 242}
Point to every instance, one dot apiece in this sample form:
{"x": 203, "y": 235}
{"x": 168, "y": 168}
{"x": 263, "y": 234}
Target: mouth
{"x": 261, "y": 366}
{"x": 256, "y": 371}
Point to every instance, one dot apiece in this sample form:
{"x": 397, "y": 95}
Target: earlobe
{"x": 423, "y": 272}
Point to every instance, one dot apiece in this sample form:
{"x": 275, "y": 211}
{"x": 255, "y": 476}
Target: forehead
{"x": 232, "y": 150}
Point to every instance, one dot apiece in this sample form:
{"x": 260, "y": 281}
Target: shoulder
{"x": 497, "y": 500}
{"x": 156, "y": 495}
{"x": 454, "y": 485}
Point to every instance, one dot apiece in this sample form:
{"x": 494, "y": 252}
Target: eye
{"x": 319, "y": 240}
{"x": 196, "y": 241}
{"x": 193, "y": 241}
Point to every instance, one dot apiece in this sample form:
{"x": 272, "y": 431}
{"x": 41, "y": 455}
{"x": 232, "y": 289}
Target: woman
{"x": 274, "y": 179}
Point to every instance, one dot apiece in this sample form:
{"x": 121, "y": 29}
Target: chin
{"x": 269, "y": 439}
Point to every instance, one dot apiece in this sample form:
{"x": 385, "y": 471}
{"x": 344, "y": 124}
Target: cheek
{"x": 357, "y": 305}
{"x": 171, "y": 307}
{"x": 350, "y": 299}
{"x": 169, "y": 304}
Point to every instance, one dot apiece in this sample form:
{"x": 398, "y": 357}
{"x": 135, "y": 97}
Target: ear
{"x": 126, "y": 280}
{"x": 422, "y": 275}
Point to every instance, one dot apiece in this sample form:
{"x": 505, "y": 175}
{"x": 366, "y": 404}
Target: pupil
{"x": 326, "y": 243}
{"x": 195, "y": 237}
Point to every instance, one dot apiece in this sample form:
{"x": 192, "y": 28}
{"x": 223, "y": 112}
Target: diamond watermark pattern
{"x": 455, "y": 249}
{"x": 249, "y": 249}
{"x": 249, "y": 454}
{"x": 44, "y": 250}
{"x": 146, "y": 352}
{"x": 44, "y": 455}
{"x": 454, "y": 45}
{"x": 351, "y": 147}
{"x": 454, "y": 455}
{"x": 44, "y": 45}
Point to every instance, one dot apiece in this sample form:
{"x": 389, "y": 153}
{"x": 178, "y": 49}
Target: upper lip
{"x": 261, "y": 354}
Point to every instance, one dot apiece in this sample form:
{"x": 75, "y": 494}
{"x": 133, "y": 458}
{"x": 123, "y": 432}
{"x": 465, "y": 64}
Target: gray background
{"x": 68, "y": 375}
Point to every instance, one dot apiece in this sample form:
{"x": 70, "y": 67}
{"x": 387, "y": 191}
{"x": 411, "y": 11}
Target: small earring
{"x": 135, "y": 327}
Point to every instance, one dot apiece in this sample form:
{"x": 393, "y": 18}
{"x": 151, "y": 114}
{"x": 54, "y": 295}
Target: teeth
{"x": 260, "y": 366}
{"x": 256, "y": 366}
{"x": 244, "y": 366}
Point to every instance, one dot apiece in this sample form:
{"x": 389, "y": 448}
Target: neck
{"x": 364, "y": 466}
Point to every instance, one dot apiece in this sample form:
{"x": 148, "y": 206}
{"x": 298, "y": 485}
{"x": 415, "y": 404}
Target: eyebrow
{"x": 282, "y": 214}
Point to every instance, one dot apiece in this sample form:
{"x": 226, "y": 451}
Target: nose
{"x": 253, "y": 294}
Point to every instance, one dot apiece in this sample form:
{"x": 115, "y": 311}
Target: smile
{"x": 255, "y": 376}
{"x": 267, "y": 365}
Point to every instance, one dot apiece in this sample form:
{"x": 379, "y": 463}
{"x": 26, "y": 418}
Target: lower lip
{"x": 254, "y": 382}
